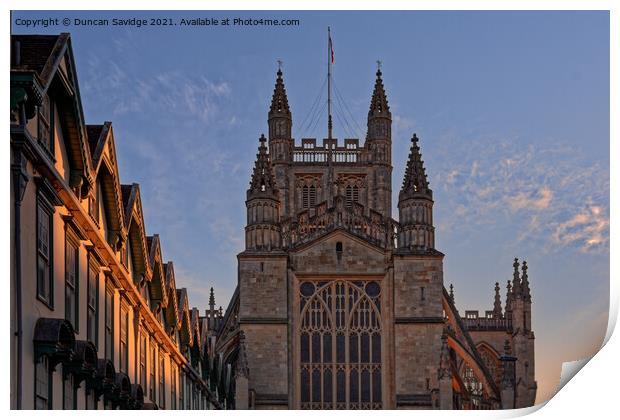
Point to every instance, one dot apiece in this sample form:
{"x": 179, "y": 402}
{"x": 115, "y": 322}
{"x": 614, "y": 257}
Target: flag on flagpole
{"x": 331, "y": 49}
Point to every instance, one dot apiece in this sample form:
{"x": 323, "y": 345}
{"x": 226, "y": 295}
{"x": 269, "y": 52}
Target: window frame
{"x": 109, "y": 328}
{"x": 181, "y": 389}
{"x": 72, "y": 241}
{"x": 152, "y": 372}
{"x": 43, "y": 206}
{"x": 71, "y": 379}
{"x": 143, "y": 351}
{"x": 124, "y": 357}
{"x": 48, "y": 399}
{"x": 162, "y": 381}
{"x": 173, "y": 386}
{"x": 46, "y": 123}
{"x": 92, "y": 268}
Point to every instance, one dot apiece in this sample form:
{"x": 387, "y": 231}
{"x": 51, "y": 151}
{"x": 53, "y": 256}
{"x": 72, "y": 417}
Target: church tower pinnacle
{"x": 379, "y": 146}
{"x": 280, "y": 123}
{"x": 497, "y": 303}
{"x": 379, "y": 134}
{"x": 262, "y": 232}
{"x": 415, "y": 204}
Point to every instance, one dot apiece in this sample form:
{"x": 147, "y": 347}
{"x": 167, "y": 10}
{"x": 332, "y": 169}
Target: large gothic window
{"x": 340, "y": 345}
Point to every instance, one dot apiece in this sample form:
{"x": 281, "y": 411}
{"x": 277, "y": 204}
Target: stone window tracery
{"x": 340, "y": 345}
{"x": 492, "y": 363}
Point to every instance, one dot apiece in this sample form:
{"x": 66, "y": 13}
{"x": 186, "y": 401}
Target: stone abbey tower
{"x": 339, "y": 306}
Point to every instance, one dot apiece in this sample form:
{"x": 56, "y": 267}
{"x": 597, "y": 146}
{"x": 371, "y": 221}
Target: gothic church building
{"x": 339, "y": 306}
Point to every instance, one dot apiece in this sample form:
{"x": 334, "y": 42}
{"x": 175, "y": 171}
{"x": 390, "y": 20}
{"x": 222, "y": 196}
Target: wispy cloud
{"x": 588, "y": 229}
{"x": 179, "y": 94}
{"x": 548, "y": 192}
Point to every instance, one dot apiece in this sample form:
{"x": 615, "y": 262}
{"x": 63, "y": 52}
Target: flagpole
{"x": 329, "y": 84}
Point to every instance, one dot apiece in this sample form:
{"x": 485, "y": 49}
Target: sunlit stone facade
{"x": 339, "y": 306}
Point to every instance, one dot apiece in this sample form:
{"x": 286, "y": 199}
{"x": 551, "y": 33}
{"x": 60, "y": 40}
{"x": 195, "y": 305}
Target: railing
{"x": 375, "y": 228}
{"x": 488, "y": 324}
{"x": 324, "y": 154}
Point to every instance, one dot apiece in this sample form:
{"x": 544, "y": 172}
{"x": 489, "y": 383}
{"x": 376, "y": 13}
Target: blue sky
{"x": 512, "y": 109}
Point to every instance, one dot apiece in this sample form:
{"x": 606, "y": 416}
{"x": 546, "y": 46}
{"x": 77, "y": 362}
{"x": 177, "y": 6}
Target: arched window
{"x": 473, "y": 385}
{"x": 340, "y": 345}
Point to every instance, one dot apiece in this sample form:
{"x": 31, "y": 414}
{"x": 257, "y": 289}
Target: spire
{"x": 279, "y": 101}
{"x": 516, "y": 281}
{"x": 415, "y": 183}
{"x": 497, "y": 304}
{"x": 452, "y": 293}
{"x": 380, "y": 120}
{"x": 525, "y": 284}
{"x": 279, "y": 118}
{"x": 508, "y": 296}
{"x": 263, "y": 182}
{"x": 379, "y": 104}
{"x": 211, "y": 299}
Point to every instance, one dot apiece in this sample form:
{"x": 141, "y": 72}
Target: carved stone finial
{"x": 497, "y": 303}
{"x": 525, "y": 283}
{"x": 415, "y": 182}
{"x": 516, "y": 279}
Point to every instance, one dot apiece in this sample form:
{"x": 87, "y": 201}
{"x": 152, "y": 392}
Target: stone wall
{"x": 262, "y": 287}
{"x": 267, "y": 348}
{"x": 322, "y": 257}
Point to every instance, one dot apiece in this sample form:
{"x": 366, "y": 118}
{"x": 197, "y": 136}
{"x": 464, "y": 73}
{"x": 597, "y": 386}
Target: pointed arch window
{"x": 340, "y": 345}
